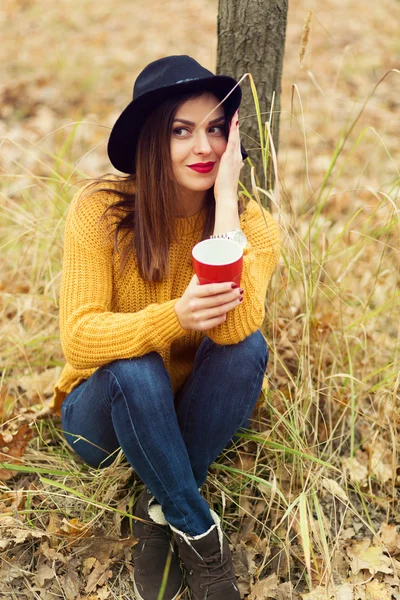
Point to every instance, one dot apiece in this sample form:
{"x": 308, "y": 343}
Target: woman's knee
{"x": 142, "y": 381}
{"x": 250, "y": 352}
{"x": 255, "y": 345}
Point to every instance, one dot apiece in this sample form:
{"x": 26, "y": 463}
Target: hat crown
{"x": 168, "y": 71}
{"x": 162, "y": 80}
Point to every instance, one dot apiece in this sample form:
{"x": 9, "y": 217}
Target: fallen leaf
{"x": 13, "y": 532}
{"x": 364, "y": 556}
{"x": 344, "y": 592}
{"x": 243, "y": 561}
{"x": 11, "y": 451}
{"x": 98, "y": 576}
{"x": 356, "y": 470}
{"x": 70, "y": 585}
{"x": 50, "y": 553}
{"x": 348, "y": 533}
{"x": 40, "y": 384}
{"x": 319, "y": 593}
{"x": 334, "y": 488}
{"x": 378, "y": 591}
{"x": 103, "y": 593}
{"x": 380, "y": 457}
{"x": 266, "y": 588}
{"x": 7, "y": 403}
{"x": 73, "y": 530}
{"x": 88, "y": 564}
{"x": 390, "y": 538}
{"x": 284, "y": 591}
{"x": 10, "y": 572}
{"x": 43, "y": 572}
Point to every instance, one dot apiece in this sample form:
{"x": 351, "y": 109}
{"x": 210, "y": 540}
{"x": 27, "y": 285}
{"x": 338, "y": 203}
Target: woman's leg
{"x": 130, "y": 403}
{"x": 218, "y": 397}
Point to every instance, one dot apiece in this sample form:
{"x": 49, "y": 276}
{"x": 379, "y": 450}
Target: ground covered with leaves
{"x": 309, "y": 497}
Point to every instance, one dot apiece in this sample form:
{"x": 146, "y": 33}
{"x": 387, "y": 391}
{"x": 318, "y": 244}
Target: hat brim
{"x": 124, "y": 135}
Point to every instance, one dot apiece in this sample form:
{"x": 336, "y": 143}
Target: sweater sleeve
{"x": 259, "y": 260}
{"x": 91, "y": 334}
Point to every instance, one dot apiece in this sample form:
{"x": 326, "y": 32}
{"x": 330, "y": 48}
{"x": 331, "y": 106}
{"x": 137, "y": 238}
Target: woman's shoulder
{"x": 89, "y": 212}
{"x": 102, "y": 193}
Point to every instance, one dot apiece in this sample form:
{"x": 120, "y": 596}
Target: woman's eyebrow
{"x": 221, "y": 118}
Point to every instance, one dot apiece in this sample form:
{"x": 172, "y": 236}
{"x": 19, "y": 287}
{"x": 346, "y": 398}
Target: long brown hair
{"x": 144, "y": 216}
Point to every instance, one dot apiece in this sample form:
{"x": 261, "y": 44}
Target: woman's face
{"x": 197, "y": 146}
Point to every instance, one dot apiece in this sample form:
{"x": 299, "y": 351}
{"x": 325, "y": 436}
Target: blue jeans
{"x": 169, "y": 441}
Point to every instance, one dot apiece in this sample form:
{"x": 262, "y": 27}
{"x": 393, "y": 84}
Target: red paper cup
{"x": 217, "y": 260}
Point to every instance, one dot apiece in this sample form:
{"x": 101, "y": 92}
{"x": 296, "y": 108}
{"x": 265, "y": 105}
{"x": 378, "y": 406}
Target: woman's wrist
{"x": 226, "y": 199}
{"x": 226, "y": 217}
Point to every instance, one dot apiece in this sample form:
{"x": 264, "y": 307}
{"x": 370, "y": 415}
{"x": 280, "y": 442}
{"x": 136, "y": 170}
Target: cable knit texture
{"x": 106, "y": 314}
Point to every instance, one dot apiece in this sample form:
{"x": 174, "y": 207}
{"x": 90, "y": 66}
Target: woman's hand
{"x": 205, "y": 306}
{"x": 226, "y": 182}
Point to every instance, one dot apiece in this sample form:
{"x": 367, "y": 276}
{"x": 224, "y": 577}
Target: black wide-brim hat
{"x": 161, "y": 80}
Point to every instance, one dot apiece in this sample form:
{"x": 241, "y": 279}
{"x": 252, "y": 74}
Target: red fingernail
{"x": 237, "y": 122}
{"x": 233, "y": 286}
{"x": 241, "y": 291}
{"x": 240, "y": 299}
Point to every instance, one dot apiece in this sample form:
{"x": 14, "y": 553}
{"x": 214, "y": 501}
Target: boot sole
{"x": 139, "y": 597}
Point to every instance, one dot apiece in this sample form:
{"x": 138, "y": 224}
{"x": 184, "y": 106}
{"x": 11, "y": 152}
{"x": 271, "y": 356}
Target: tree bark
{"x": 251, "y": 39}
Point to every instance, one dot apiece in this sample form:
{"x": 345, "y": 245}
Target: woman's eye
{"x": 216, "y": 130}
{"x": 180, "y": 132}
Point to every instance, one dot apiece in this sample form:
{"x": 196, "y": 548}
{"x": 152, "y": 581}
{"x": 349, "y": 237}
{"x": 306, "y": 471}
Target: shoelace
{"x": 214, "y": 564}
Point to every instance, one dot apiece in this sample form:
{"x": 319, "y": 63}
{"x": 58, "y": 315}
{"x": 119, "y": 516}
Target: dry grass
{"x": 317, "y": 475}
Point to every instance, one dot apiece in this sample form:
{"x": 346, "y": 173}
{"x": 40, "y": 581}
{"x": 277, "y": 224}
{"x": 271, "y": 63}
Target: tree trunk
{"x": 251, "y": 39}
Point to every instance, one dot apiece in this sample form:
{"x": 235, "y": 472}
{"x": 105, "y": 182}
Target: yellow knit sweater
{"x": 107, "y": 315}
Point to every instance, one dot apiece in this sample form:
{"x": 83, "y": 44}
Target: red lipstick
{"x": 202, "y": 167}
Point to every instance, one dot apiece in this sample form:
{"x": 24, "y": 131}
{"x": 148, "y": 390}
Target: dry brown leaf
{"x": 378, "y": 591}
{"x": 50, "y": 553}
{"x": 11, "y": 451}
{"x": 344, "y": 592}
{"x": 265, "y": 588}
{"x": 245, "y": 462}
{"x": 390, "y": 538}
{"x": 356, "y": 470}
{"x": 13, "y": 532}
{"x": 88, "y": 564}
{"x": 380, "y": 457}
{"x": 10, "y": 572}
{"x": 348, "y": 533}
{"x": 73, "y": 530}
{"x": 244, "y": 506}
{"x": 319, "y": 593}
{"x": 371, "y": 558}
{"x": 70, "y": 585}
{"x": 243, "y": 561}
{"x": 339, "y": 592}
{"x": 98, "y": 576}
{"x": 284, "y": 591}
{"x": 103, "y": 593}
{"x": 40, "y": 384}
{"x": 54, "y": 523}
{"x": 334, "y": 488}
{"x": 43, "y": 572}
{"x": 252, "y": 540}
{"x": 7, "y": 402}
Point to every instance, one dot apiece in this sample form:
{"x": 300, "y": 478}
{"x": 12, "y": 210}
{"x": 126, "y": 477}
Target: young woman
{"x": 158, "y": 365}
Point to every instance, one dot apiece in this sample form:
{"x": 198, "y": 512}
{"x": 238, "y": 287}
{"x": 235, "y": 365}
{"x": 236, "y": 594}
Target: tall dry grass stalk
{"x": 305, "y": 36}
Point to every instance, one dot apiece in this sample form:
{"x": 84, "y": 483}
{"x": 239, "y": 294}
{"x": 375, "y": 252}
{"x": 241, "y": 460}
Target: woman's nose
{"x": 201, "y": 143}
